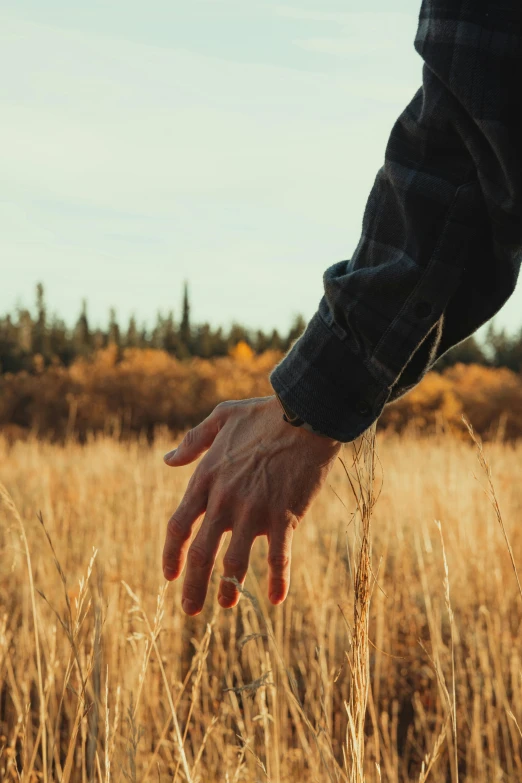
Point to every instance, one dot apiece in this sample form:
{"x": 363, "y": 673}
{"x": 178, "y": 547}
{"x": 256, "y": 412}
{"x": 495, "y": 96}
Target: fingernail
{"x": 169, "y": 574}
{"x": 169, "y": 455}
{"x": 275, "y": 598}
{"x": 189, "y": 607}
{"x": 224, "y": 602}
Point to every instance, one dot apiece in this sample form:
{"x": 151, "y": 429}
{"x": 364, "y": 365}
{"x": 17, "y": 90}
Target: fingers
{"x": 235, "y": 564}
{"x": 198, "y": 439}
{"x": 179, "y": 526}
{"x": 200, "y": 562}
{"x": 279, "y": 557}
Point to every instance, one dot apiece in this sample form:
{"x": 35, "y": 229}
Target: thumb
{"x": 195, "y": 442}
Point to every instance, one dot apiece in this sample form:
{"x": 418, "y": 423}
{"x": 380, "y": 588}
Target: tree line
{"x": 32, "y": 339}
{"x": 29, "y": 335}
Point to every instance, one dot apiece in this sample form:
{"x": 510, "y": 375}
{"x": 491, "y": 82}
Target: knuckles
{"x": 176, "y": 529}
{"x": 198, "y": 482}
{"x": 223, "y": 407}
{"x": 233, "y": 565}
{"x": 278, "y": 562}
{"x": 198, "y": 557}
{"x": 190, "y": 438}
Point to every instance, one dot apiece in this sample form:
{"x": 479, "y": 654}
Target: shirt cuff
{"x": 327, "y": 385}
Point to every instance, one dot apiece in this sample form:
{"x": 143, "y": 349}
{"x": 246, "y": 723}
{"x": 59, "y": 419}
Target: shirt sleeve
{"x": 441, "y": 241}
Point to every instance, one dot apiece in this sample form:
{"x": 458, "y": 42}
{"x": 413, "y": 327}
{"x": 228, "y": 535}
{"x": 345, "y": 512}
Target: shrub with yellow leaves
{"x": 138, "y": 390}
{"x": 241, "y": 352}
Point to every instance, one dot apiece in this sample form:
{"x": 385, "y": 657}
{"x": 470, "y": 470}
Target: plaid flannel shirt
{"x": 441, "y": 240}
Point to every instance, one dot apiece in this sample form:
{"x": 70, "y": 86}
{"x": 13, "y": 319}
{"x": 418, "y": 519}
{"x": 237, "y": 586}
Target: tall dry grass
{"x": 102, "y": 678}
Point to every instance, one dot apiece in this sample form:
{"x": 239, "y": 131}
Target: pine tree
{"x": 81, "y": 335}
{"x": 261, "y": 342}
{"x": 24, "y": 330}
{"x": 185, "y": 331}
{"x": 9, "y": 359}
{"x": 276, "y": 344}
{"x": 132, "y": 338}
{"x": 218, "y": 343}
{"x": 237, "y": 335}
{"x": 467, "y": 352}
{"x": 40, "y": 341}
{"x": 296, "y": 330}
{"x": 114, "y": 329}
{"x": 203, "y": 343}
{"x": 156, "y": 339}
{"x": 170, "y": 338}
{"x": 62, "y": 348}
{"x": 145, "y": 340}
{"x": 99, "y": 340}
{"x": 505, "y": 350}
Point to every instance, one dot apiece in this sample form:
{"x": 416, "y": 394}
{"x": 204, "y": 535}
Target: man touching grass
{"x": 439, "y": 255}
{"x": 257, "y": 478}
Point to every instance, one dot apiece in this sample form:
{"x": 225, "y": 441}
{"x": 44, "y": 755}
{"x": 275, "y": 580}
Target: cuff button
{"x": 422, "y": 310}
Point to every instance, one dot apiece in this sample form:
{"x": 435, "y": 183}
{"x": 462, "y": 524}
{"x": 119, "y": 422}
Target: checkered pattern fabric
{"x": 441, "y": 242}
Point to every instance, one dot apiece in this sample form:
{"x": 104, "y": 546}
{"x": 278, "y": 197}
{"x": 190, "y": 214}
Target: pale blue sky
{"x": 230, "y": 142}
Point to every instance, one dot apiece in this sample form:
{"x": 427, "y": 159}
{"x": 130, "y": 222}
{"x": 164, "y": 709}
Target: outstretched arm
{"x": 439, "y": 254}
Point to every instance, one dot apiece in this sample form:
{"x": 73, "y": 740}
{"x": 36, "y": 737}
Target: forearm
{"x": 442, "y": 232}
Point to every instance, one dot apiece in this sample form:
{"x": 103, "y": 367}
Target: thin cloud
{"x": 372, "y": 35}
{"x": 288, "y": 12}
{"x": 339, "y": 17}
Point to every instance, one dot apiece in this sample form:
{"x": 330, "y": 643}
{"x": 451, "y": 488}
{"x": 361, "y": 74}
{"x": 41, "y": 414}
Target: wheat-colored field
{"x": 103, "y": 678}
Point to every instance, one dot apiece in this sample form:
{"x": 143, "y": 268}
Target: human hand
{"x": 258, "y": 477}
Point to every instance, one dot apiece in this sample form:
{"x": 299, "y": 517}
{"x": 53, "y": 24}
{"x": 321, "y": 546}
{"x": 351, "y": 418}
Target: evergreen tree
{"x": 144, "y": 340}
{"x": 170, "y": 342}
{"x": 219, "y": 343}
{"x": 114, "y": 329}
{"x": 238, "y": 334}
{"x": 505, "y": 350}
{"x": 296, "y": 330}
{"x": 9, "y": 354}
{"x": 62, "y": 348}
{"x": 40, "y": 341}
{"x": 467, "y": 352}
{"x": 132, "y": 338}
{"x": 81, "y": 335}
{"x": 275, "y": 344}
{"x": 99, "y": 340}
{"x": 261, "y": 342}
{"x": 203, "y": 342}
{"x": 156, "y": 339}
{"x": 185, "y": 331}
{"x": 25, "y": 332}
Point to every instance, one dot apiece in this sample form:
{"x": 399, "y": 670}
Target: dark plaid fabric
{"x": 441, "y": 240}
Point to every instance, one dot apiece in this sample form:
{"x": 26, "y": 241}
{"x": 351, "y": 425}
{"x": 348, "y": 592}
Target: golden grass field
{"x": 102, "y": 677}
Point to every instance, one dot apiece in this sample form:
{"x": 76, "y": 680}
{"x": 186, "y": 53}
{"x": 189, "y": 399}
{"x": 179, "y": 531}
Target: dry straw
{"x": 104, "y": 679}
{"x": 361, "y": 476}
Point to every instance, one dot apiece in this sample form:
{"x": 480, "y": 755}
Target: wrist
{"x": 294, "y": 420}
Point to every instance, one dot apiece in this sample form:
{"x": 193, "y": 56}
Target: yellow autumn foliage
{"x": 491, "y": 398}
{"x": 136, "y": 391}
{"x": 242, "y": 352}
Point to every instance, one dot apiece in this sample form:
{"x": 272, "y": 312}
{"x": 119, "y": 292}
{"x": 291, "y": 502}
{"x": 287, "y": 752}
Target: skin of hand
{"x": 257, "y": 478}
